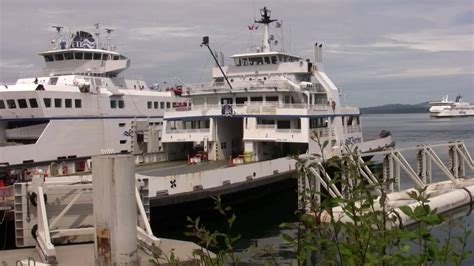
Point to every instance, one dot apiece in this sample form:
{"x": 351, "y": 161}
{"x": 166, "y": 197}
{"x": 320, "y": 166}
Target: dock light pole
{"x": 205, "y": 42}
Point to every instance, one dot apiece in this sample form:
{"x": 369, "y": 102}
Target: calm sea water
{"x": 258, "y": 222}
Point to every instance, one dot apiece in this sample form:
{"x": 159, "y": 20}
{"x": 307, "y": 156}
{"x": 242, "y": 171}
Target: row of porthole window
{"x": 158, "y": 105}
{"x": 32, "y": 103}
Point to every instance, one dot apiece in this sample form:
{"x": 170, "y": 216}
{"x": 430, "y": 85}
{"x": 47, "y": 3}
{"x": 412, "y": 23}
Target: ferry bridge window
{"x": 162, "y": 105}
{"x": 274, "y": 59}
{"x": 113, "y": 104}
{"x": 68, "y": 103}
{"x": 241, "y": 100}
{"x": 78, "y": 56}
{"x": 58, "y": 57}
{"x": 97, "y": 56}
{"x": 121, "y": 104}
{"x": 116, "y": 57}
{"x": 47, "y": 102}
{"x": 267, "y": 60}
{"x": 57, "y": 102}
{"x": 256, "y": 99}
{"x": 168, "y": 105}
{"x": 68, "y": 56}
{"x": 155, "y": 105}
{"x": 148, "y": 105}
{"x": 226, "y": 101}
{"x": 48, "y": 58}
{"x": 256, "y": 60}
{"x": 87, "y": 56}
{"x": 105, "y": 57}
{"x": 2, "y": 104}
{"x": 78, "y": 103}
{"x": 271, "y": 98}
{"x": 11, "y": 104}
{"x": 22, "y": 103}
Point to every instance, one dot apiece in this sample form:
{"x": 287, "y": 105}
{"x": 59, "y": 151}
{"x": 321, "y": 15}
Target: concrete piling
{"x": 115, "y": 210}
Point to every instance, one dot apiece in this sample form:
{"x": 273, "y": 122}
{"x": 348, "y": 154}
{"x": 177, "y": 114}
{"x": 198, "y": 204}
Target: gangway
{"x": 457, "y": 189}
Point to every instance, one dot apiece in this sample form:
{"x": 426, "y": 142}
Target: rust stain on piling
{"x": 103, "y": 246}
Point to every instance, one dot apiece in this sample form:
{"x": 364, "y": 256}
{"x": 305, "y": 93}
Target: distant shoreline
{"x": 396, "y": 109}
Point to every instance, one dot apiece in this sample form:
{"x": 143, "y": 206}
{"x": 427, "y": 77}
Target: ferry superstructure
{"x": 438, "y": 106}
{"x": 77, "y": 107}
{"x": 268, "y": 104}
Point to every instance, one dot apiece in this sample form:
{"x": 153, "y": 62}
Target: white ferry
{"x": 458, "y": 108}
{"x": 255, "y": 113}
{"x": 80, "y": 106}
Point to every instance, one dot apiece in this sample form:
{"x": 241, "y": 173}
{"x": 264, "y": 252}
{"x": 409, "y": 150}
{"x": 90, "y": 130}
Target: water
{"x": 258, "y": 222}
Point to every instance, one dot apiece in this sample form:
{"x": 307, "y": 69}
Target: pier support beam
{"x": 115, "y": 210}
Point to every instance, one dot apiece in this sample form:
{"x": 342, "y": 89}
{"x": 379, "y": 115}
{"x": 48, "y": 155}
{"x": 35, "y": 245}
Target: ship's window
{"x": 105, "y": 57}
{"x": 33, "y": 103}
{"x": 168, "y": 105}
{"x": 267, "y": 60}
{"x": 271, "y": 98}
{"x": 284, "y": 124}
{"x": 57, "y": 102}
{"x": 155, "y": 105}
{"x": 123, "y": 141}
{"x": 274, "y": 59}
{"x": 244, "y": 61}
{"x": 113, "y": 104}
{"x": 68, "y": 103}
{"x": 11, "y": 104}
{"x": 47, "y": 102}
{"x": 97, "y": 56}
{"x": 237, "y": 61}
{"x": 226, "y": 101}
{"x": 256, "y": 61}
{"x": 87, "y": 56}
{"x": 68, "y": 56}
{"x": 148, "y": 105}
{"x": 22, "y": 103}
{"x": 2, "y": 104}
{"x": 53, "y": 81}
{"x": 48, "y": 58}
{"x": 58, "y": 57}
{"x": 78, "y": 56}
{"x": 162, "y": 105}
{"x": 241, "y": 100}
{"x": 121, "y": 104}
{"x": 256, "y": 99}
{"x": 116, "y": 57}
{"x": 78, "y": 103}
{"x": 121, "y": 124}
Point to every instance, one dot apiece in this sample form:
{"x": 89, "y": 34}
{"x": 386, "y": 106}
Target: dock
{"x": 118, "y": 224}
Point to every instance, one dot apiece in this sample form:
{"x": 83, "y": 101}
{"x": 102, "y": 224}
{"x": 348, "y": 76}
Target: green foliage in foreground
{"x": 369, "y": 234}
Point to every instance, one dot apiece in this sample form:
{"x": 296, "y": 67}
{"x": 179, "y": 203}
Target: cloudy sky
{"x": 376, "y": 51}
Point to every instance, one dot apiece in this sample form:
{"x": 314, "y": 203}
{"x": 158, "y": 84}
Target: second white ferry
{"x": 80, "y": 106}
{"x": 446, "y": 108}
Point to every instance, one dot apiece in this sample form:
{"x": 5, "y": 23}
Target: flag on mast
{"x": 278, "y": 24}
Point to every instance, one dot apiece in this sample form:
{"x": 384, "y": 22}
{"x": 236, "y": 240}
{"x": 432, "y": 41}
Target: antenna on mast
{"x": 97, "y": 34}
{"x": 109, "y": 31}
{"x": 59, "y": 41}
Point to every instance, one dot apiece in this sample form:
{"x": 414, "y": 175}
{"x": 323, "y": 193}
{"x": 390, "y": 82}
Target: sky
{"x": 376, "y": 51}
